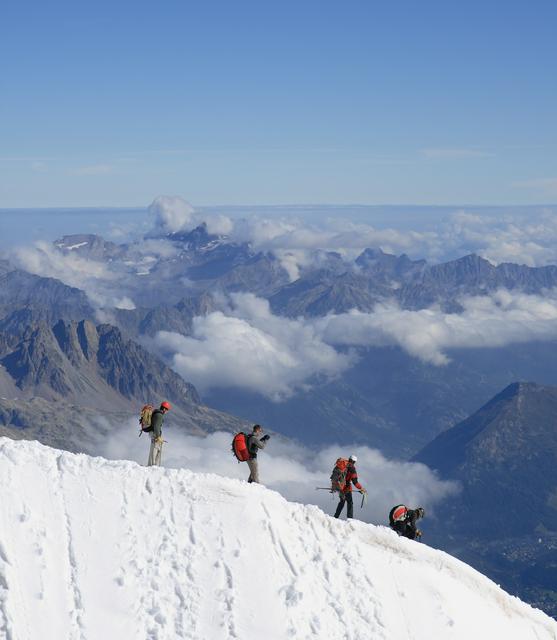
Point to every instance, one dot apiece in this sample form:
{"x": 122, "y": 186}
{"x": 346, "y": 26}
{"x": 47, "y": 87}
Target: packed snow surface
{"x": 99, "y": 550}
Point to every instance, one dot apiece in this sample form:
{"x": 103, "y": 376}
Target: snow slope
{"x": 92, "y": 549}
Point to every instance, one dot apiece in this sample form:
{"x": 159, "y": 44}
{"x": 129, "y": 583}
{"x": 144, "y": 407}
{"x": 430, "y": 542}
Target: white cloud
{"x": 44, "y": 259}
{"x": 172, "y": 213}
{"x": 101, "y": 281}
{"x": 248, "y": 347}
{"x": 294, "y": 470}
{"x": 245, "y": 346}
{"x": 528, "y": 237}
{"x": 529, "y": 240}
{"x": 125, "y": 303}
{"x": 487, "y": 321}
{"x": 293, "y": 260}
{"x": 156, "y": 247}
{"x": 217, "y": 224}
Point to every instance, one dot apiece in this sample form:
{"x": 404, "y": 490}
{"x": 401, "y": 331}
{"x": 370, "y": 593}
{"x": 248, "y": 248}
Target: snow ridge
{"x": 93, "y": 549}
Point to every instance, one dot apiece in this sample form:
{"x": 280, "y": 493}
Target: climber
{"x": 403, "y": 521}
{"x": 255, "y": 441}
{"x": 345, "y": 488}
{"x": 157, "y": 420}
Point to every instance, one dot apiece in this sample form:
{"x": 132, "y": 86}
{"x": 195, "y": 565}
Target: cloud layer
{"x": 486, "y": 321}
{"x": 101, "y": 281}
{"x": 248, "y": 347}
{"x": 526, "y": 237}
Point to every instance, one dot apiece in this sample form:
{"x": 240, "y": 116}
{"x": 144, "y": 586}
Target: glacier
{"x": 92, "y": 549}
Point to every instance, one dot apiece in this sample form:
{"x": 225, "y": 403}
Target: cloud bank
{"x": 246, "y": 346}
{"x": 102, "y": 282}
{"x": 487, "y": 321}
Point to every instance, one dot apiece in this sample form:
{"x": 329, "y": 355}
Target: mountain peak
{"x": 196, "y": 239}
{"x": 89, "y": 245}
{"x": 519, "y": 389}
{"x": 505, "y": 453}
{"x": 376, "y": 261}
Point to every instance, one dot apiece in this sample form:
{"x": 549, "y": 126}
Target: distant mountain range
{"x": 206, "y": 263}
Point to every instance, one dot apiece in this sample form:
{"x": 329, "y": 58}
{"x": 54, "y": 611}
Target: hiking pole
{"x": 324, "y": 489}
{"x": 364, "y": 496}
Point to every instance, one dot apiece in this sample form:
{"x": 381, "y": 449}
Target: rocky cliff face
{"x": 50, "y": 297}
{"x": 134, "y": 372}
{"x": 82, "y": 361}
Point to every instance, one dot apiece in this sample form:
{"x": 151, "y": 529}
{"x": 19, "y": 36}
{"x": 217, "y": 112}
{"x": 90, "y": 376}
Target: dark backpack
{"x": 240, "y": 446}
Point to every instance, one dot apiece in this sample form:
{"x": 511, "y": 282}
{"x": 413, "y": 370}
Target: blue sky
{"x": 277, "y": 102}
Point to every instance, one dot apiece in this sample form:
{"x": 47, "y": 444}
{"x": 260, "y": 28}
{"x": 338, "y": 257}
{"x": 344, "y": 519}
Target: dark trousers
{"x": 404, "y": 529}
{"x": 345, "y": 498}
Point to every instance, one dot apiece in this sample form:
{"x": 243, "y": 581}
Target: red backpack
{"x": 240, "y": 447}
{"x": 399, "y": 513}
{"x": 338, "y": 477}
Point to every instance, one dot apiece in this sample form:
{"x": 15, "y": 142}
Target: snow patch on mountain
{"x": 97, "y": 549}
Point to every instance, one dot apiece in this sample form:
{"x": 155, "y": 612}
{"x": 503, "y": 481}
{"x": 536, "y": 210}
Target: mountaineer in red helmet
{"x": 157, "y": 419}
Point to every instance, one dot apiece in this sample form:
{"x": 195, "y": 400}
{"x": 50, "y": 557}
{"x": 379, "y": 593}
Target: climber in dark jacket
{"x": 403, "y": 521}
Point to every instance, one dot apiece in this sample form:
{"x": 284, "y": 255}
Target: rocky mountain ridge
{"x": 80, "y": 360}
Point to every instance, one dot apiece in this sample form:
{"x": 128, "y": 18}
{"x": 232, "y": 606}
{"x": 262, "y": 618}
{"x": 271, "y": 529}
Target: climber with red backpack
{"x": 343, "y": 477}
{"x": 245, "y": 447}
{"x": 151, "y": 421}
{"x": 403, "y": 521}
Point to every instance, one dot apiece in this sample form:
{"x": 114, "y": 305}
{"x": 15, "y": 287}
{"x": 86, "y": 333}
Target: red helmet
{"x": 166, "y": 405}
